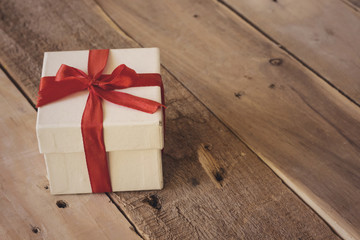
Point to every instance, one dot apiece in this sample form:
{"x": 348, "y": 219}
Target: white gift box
{"x": 133, "y": 139}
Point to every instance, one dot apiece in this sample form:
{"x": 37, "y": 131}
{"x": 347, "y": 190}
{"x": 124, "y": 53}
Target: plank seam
{"x": 253, "y": 25}
{"x": 253, "y": 151}
{"x": 351, "y": 5}
{"x": 116, "y": 24}
{"x": 220, "y": 120}
{"x": 18, "y": 87}
{"x": 123, "y": 213}
{"x": 34, "y": 106}
{"x": 324, "y": 118}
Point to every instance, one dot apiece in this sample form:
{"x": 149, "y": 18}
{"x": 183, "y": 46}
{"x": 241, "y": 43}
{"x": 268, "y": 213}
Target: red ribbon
{"x": 69, "y": 80}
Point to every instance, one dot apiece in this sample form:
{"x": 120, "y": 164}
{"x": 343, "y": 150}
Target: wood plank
{"x": 304, "y": 129}
{"x": 354, "y": 3}
{"x": 215, "y": 187}
{"x": 27, "y": 209}
{"x": 323, "y": 34}
{"x": 40, "y": 35}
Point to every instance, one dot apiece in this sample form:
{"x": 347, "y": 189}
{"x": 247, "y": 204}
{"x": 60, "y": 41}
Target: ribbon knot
{"x": 69, "y": 80}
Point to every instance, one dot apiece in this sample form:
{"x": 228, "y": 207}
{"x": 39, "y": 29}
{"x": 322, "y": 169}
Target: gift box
{"x": 133, "y": 139}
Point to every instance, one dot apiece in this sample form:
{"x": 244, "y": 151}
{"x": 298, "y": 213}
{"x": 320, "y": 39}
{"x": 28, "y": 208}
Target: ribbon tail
{"x": 93, "y": 139}
{"x": 128, "y": 100}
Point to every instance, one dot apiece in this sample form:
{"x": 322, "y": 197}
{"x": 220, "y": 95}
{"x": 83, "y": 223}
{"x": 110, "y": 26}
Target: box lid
{"x": 58, "y": 124}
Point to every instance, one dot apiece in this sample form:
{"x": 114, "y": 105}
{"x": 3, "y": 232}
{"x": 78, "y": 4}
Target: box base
{"x": 132, "y": 170}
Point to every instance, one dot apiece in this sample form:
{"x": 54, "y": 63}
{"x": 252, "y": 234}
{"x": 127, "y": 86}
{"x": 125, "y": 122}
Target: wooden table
{"x": 263, "y": 120}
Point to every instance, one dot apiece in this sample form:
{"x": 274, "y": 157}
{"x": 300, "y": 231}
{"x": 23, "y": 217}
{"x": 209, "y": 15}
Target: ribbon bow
{"x": 69, "y": 80}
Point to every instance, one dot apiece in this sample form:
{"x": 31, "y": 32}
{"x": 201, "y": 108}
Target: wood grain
{"x": 27, "y": 209}
{"x": 215, "y": 187}
{"x": 354, "y": 3}
{"x": 247, "y": 200}
{"x": 25, "y": 25}
{"x": 323, "y": 34}
{"x": 304, "y": 129}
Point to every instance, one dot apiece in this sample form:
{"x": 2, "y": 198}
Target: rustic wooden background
{"x": 263, "y": 119}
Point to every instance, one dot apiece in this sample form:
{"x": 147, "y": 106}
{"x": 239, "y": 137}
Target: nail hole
{"x": 274, "y": 0}
{"x": 276, "y": 61}
{"x": 46, "y": 187}
{"x": 35, "y": 230}
{"x": 196, "y": 16}
{"x": 208, "y": 147}
{"x": 61, "y": 204}
{"x": 153, "y": 201}
{"x": 239, "y": 94}
{"x": 272, "y": 85}
{"x": 219, "y": 175}
{"x": 194, "y": 182}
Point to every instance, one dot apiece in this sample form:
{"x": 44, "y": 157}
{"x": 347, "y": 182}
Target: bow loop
{"x": 121, "y": 77}
{"x": 96, "y": 62}
{"x": 67, "y": 73}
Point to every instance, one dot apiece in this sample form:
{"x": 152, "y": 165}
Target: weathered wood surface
{"x": 354, "y": 3}
{"x": 215, "y": 187}
{"x": 27, "y": 210}
{"x": 303, "y": 128}
{"x": 30, "y": 28}
{"x": 324, "y": 34}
